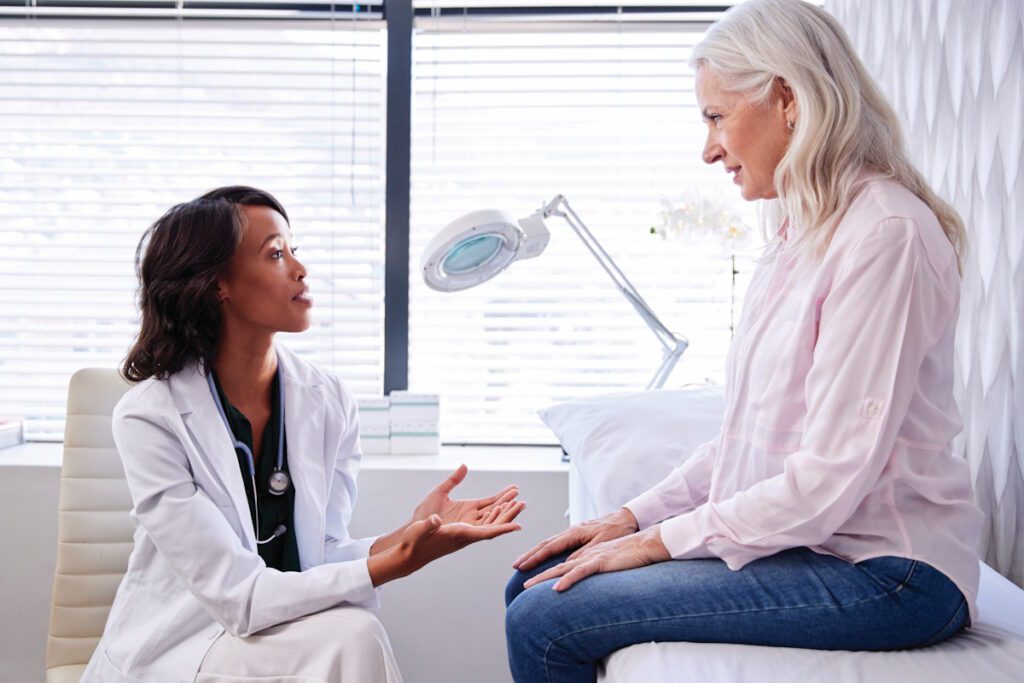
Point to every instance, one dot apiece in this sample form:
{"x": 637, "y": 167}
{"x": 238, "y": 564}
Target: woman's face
{"x": 263, "y": 288}
{"x": 749, "y": 139}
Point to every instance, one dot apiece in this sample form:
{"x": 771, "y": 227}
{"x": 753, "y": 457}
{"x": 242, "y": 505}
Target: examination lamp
{"x": 474, "y": 248}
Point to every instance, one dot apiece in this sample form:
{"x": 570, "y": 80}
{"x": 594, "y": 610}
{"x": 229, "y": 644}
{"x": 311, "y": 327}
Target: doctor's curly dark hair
{"x": 184, "y": 252}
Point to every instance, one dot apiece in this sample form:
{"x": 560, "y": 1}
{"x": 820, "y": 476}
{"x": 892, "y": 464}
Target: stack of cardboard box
{"x": 415, "y": 420}
{"x": 403, "y": 423}
{"x": 375, "y": 424}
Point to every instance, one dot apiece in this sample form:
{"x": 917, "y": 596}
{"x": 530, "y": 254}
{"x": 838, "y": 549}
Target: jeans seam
{"x": 914, "y": 565}
{"x": 910, "y": 575}
{"x": 717, "y": 614}
{"x": 960, "y": 606}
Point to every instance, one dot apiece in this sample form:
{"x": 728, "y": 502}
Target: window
{"x": 509, "y": 113}
{"x": 107, "y": 122}
{"x": 114, "y": 111}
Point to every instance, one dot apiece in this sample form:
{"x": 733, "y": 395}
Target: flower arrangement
{"x": 696, "y": 216}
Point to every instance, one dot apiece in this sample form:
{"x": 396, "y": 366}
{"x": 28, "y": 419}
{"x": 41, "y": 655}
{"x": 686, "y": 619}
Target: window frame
{"x": 399, "y": 17}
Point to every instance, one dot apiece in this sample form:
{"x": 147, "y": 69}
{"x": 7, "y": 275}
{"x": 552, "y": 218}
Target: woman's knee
{"x": 535, "y": 615}
{"x": 540, "y": 629}
{"x": 515, "y": 586}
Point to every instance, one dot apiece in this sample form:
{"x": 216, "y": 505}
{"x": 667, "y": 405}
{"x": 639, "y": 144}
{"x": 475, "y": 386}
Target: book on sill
{"x": 12, "y": 431}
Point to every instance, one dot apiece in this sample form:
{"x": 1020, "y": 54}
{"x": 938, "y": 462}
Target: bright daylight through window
{"x": 104, "y": 128}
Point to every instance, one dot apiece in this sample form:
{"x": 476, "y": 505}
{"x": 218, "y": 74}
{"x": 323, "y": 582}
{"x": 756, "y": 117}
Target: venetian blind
{"x": 113, "y": 113}
{"x": 509, "y": 111}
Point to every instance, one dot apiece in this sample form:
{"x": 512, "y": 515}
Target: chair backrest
{"x": 94, "y": 535}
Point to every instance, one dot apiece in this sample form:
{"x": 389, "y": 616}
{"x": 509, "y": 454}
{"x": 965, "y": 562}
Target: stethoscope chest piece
{"x": 279, "y": 482}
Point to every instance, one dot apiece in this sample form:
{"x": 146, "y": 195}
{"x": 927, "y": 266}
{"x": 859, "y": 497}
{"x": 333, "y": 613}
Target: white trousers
{"x": 340, "y": 645}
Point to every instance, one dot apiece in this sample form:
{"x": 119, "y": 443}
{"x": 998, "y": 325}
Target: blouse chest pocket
{"x": 775, "y": 371}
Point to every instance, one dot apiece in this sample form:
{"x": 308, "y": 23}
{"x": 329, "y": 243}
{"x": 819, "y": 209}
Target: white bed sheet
{"x": 992, "y": 651}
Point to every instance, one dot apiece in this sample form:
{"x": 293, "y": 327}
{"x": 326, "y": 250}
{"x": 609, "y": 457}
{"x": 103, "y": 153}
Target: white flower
{"x": 695, "y": 216}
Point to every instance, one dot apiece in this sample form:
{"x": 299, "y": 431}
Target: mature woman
{"x": 829, "y": 512}
{"x": 241, "y": 460}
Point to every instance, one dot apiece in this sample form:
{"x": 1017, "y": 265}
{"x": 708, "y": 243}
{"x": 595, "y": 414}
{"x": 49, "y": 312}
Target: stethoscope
{"x": 279, "y": 480}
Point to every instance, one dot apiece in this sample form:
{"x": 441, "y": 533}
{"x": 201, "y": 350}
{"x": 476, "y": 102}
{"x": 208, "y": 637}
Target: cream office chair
{"x": 94, "y": 536}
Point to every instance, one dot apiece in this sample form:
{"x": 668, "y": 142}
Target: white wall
{"x": 445, "y": 622}
{"x": 954, "y": 73}
{"x": 28, "y": 507}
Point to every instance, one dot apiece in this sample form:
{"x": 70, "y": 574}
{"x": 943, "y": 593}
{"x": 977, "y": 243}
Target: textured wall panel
{"x": 954, "y": 72}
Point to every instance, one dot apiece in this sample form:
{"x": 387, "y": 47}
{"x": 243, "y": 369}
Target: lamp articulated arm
{"x": 673, "y": 345}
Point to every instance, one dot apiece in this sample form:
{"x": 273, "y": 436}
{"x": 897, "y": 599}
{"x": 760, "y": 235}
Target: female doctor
{"x": 241, "y": 460}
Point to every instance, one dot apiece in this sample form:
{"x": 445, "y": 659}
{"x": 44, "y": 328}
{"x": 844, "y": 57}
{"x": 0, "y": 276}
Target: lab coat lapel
{"x": 213, "y": 441}
{"x": 304, "y": 428}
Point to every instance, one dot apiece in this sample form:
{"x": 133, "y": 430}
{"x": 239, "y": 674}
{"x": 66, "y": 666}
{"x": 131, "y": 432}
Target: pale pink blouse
{"x": 839, "y": 407}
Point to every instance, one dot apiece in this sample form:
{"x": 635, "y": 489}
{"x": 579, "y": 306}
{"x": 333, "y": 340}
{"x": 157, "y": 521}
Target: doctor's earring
{"x": 790, "y": 124}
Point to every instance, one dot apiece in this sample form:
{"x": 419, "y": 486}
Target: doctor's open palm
{"x": 440, "y": 525}
{"x": 471, "y": 511}
{"x": 426, "y": 540}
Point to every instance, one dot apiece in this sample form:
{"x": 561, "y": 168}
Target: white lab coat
{"x": 194, "y": 571}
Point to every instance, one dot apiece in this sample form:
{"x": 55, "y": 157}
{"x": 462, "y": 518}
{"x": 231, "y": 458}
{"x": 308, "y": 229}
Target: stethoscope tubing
{"x": 279, "y": 479}
{"x": 242, "y": 446}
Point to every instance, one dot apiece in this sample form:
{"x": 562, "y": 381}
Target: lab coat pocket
{"x": 108, "y": 672}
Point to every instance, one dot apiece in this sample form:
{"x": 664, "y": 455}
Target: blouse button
{"x": 872, "y": 409}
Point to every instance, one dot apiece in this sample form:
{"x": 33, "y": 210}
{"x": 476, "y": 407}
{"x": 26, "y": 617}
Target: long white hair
{"x": 843, "y": 121}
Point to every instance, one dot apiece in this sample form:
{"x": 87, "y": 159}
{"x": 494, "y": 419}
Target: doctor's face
{"x": 263, "y": 287}
{"x": 749, "y": 138}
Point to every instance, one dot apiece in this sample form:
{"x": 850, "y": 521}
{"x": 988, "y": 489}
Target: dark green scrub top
{"x": 282, "y": 553}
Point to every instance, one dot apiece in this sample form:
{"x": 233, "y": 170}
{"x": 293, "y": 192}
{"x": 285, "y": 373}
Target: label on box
{"x": 383, "y": 429}
{"x": 371, "y": 403}
{"x": 406, "y": 398}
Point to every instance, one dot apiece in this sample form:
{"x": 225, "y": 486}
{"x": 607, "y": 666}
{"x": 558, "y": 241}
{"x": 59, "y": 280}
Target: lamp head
{"x": 477, "y": 246}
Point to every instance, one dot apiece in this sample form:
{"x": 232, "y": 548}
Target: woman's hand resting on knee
{"x": 582, "y": 536}
{"x": 628, "y": 552}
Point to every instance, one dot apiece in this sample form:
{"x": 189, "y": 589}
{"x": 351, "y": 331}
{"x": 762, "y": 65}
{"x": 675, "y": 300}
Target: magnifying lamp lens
{"x": 470, "y": 254}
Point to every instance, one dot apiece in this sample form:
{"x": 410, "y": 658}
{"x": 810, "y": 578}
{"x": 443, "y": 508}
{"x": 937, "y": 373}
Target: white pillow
{"x": 623, "y": 444}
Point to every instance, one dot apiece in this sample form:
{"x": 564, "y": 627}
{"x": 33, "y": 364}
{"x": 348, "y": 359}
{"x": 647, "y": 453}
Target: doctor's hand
{"x": 472, "y": 511}
{"x": 582, "y": 536}
{"x": 629, "y": 552}
{"x": 424, "y": 541}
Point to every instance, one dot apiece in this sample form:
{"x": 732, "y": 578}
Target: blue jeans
{"x": 796, "y": 598}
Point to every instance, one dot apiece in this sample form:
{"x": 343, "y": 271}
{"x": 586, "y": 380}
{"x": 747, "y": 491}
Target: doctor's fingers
{"x": 506, "y": 512}
{"x": 503, "y": 496}
{"x": 502, "y": 513}
{"x": 485, "y": 512}
{"x": 492, "y": 514}
{"x": 453, "y": 480}
{"x": 468, "y": 533}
